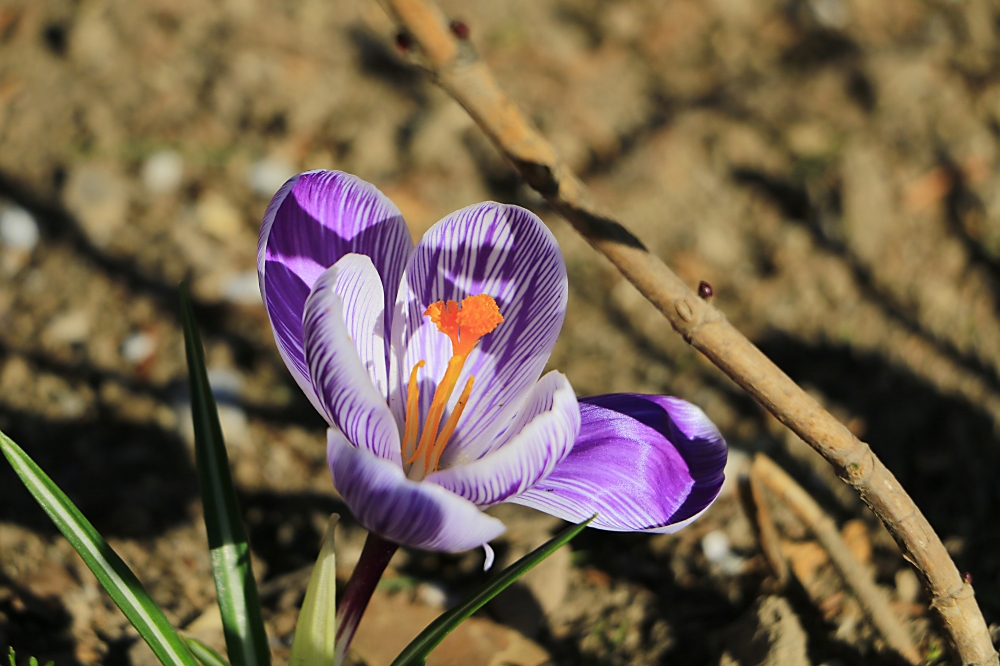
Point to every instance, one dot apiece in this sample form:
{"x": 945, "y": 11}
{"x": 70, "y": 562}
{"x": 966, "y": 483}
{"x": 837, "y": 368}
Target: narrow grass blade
{"x": 123, "y": 586}
{"x": 206, "y": 655}
{"x": 246, "y": 640}
{"x": 416, "y": 652}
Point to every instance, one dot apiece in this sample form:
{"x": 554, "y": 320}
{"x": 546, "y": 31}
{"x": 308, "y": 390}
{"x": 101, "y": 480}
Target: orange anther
{"x": 465, "y": 324}
{"x": 445, "y": 317}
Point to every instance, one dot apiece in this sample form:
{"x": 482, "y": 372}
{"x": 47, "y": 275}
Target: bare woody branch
{"x": 457, "y": 68}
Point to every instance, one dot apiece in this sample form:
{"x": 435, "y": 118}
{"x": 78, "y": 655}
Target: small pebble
{"x": 138, "y": 347}
{"x": 226, "y": 383}
{"x": 242, "y": 288}
{"x": 718, "y": 551}
{"x": 71, "y": 405}
{"x": 832, "y": 14}
{"x": 266, "y": 176}
{"x": 737, "y": 468}
{"x": 715, "y": 545}
{"x": 18, "y": 228}
{"x": 433, "y": 595}
{"x": 163, "y": 171}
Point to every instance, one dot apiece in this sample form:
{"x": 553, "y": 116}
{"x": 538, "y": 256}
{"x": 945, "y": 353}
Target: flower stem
{"x": 374, "y": 559}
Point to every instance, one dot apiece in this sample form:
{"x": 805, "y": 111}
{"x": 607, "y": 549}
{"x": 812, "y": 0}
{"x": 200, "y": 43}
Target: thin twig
{"x": 458, "y": 69}
{"x": 873, "y": 599}
{"x": 767, "y": 531}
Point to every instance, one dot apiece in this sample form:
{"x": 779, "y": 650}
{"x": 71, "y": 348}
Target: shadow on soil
{"x": 941, "y": 449}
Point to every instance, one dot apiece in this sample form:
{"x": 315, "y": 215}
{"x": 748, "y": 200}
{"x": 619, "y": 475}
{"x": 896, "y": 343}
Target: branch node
{"x": 950, "y": 598}
{"x": 684, "y": 310}
{"x": 859, "y": 466}
{"x": 539, "y": 176}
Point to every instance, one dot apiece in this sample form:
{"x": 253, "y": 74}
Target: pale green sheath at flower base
{"x": 316, "y": 629}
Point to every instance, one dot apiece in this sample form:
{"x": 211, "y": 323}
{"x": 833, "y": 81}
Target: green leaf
{"x": 206, "y": 655}
{"x": 316, "y": 628}
{"x": 123, "y": 586}
{"x": 416, "y": 652}
{"x": 235, "y": 587}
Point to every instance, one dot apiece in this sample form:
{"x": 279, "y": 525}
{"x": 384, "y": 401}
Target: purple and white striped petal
{"x": 315, "y": 219}
{"x": 642, "y": 463}
{"x": 543, "y": 435}
{"x": 421, "y": 515}
{"x": 509, "y": 254}
{"x": 344, "y": 348}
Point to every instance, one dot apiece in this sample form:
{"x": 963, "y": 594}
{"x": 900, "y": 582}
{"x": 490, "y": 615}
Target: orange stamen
{"x": 465, "y": 325}
{"x": 412, "y": 428}
{"x": 444, "y": 390}
{"x": 451, "y": 423}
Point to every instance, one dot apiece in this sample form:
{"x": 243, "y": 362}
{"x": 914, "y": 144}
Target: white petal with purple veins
{"x": 345, "y": 355}
{"x": 543, "y": 437}
{"x": 421, "y": 515}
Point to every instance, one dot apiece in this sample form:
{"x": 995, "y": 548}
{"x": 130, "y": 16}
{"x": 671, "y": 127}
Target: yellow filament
{"x": 450, "y": 425}
{"x": 438, "y": 404}
{"x": 412, "y": 428}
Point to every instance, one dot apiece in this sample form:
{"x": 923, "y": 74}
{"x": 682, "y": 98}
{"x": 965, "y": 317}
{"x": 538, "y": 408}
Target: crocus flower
{"x": 426, "y": 361}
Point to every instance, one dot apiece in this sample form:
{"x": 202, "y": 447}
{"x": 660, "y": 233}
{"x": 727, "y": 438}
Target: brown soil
{"x": 829, "y": 166}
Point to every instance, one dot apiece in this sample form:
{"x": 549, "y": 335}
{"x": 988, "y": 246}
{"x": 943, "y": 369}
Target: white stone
{"x": 433, "y": 595}
{"x": 226, "y": 383}
{"x": 18, "y": 228}
{"x": 242, "y": 288}
{"x": 737, "y": 469}
{"x": 266, "y": 176}
{"x": 138, "y": 347}
{"x": 163, "y": 171}
{"x": 715, "y": 545}
{"x": 718, "y": 551}
{"x": 833, "y": 14}
{"x": 71, "y": 405}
